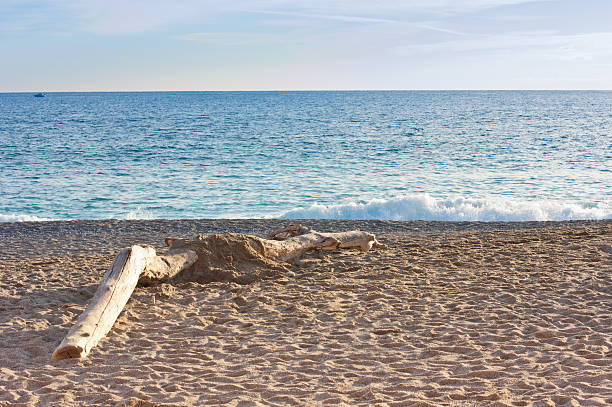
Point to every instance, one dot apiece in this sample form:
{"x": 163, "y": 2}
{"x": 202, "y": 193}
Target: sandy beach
{"x": 452, "y": 314}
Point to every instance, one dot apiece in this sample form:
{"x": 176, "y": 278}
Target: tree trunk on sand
{"x": 114, "y": 291}
{"x": 132, "y": 265}
{"x": 295, "y": 240}
{"x": 230, "y": 256}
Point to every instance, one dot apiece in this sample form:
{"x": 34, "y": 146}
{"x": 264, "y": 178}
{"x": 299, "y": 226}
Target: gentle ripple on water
{"x": 254, "y": 154}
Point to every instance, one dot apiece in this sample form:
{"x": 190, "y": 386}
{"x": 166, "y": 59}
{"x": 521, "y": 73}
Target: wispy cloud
{"x": 120, "y": 16}
{"x": 345, "y": 18}
{"x": 438, "y": 29}
{"x": 381, "y": 9}
{"x": 305, "y": 44}
{"x": 232, "y": 38}
{"x": 546, "y": 44}
{"x": 17, "y": 17}
{"x": 361, "y": 19}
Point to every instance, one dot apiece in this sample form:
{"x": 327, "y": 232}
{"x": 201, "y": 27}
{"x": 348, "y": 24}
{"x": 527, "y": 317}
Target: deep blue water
{"x": 456, "y": 155}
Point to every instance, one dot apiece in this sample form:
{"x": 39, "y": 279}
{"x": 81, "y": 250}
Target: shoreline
{"x": 86, "y": 236}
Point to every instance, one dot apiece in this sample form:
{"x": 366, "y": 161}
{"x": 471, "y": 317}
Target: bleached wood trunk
{"x": 114, "y": 291}
{"x": 292, "y": 242}
{"x": 295, "y": 247}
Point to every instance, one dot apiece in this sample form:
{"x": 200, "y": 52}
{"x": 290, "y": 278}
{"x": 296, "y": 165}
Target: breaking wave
{"x": 21, "y": 218}
{"x": 139, "y": 213}
{"x": 426, "y": 207}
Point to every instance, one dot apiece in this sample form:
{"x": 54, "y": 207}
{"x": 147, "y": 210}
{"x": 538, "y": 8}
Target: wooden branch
{"x": 292, "y": 242}
{"x": 286, "y": 244}
{"x": 163, "y": 268}
{"x": 114, "y": 291}
{"x": 356, "y": 239}
{"x": 294, "y": 247}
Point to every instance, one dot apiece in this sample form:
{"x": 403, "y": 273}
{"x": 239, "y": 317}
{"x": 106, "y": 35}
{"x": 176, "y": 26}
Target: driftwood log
{"x": 113, "y": 293}
{"x": 217, "y": 257}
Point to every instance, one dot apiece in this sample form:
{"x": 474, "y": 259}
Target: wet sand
{"x": 459, "y": 314}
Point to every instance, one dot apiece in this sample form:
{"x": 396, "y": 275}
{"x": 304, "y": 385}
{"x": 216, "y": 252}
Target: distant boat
{"x": 39, "y": 95}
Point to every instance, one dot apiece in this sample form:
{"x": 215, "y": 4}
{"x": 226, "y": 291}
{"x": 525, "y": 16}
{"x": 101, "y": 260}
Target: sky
{"x": 148, "y": 45}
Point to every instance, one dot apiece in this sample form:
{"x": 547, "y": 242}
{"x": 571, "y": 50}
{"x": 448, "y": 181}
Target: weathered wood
{"x": 355, "y": 239}
{"x": 294, "y": 247}
{"x": 217, "y": 256}
{"x": 290, "y": 243}
{"x": 162, "y": 268}
{"x": 114, "y": 291}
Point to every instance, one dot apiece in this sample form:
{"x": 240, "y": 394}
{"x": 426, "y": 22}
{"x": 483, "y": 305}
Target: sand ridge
{"x": 514, "y": 317}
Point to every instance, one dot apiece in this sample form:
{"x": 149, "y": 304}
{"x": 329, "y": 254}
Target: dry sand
{"x": 451, "y": 314}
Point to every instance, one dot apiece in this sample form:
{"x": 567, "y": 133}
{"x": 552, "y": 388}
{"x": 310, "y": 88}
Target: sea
{"x": 391, "y": 155}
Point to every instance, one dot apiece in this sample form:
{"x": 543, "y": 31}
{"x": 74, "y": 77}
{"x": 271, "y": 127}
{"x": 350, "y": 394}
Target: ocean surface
{"x": 397, "y": 155}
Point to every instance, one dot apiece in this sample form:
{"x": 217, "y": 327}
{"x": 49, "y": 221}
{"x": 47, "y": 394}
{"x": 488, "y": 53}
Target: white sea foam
{"x": 21, "y": 218}
{"x": 139, "y": 213}
{"x": 426, "y": 207}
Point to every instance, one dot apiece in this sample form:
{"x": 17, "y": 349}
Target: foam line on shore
{"x": 427, "y": 207}
{"x": 21, "y": 218}
{"x": 412, "y": 208}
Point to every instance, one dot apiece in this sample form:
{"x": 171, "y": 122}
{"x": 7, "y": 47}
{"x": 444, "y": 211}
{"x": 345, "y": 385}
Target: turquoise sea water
{"x": 456, "y": 155}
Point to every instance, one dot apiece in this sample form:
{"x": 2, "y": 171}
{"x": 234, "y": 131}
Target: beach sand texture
{"x": 451, "y": 314}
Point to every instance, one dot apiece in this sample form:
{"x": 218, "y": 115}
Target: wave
{"x": 21, "y": 218}
{"x": 426, "y": 207}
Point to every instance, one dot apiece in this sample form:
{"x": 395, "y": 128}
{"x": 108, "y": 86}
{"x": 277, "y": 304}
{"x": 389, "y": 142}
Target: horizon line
{"x": 314, "y": 90}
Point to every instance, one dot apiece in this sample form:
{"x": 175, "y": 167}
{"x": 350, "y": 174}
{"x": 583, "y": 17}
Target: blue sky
{"x": 69, "y": 45}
